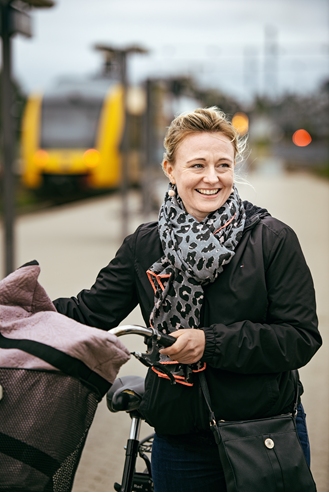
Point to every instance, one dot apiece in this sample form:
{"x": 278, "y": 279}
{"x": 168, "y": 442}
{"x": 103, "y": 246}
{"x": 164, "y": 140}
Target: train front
{"x": 71, "y": 137}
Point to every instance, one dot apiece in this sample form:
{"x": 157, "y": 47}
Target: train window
{"x": 69, "y": 123}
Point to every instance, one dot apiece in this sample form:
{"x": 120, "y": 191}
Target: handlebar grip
{"x": 166, "y": 340}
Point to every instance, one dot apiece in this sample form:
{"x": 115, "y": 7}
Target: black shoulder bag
{"x": 261, "y": 454}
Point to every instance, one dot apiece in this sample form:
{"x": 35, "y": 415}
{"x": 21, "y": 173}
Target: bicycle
{"x": 126, "y": 394}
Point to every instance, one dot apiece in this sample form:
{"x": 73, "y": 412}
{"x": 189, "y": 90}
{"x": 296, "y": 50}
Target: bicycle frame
{"x": 131, "y": 478}
{"x": 131, "y": 455}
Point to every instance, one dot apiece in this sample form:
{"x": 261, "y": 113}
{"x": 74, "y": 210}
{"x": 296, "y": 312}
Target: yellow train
{"x": 72, "y": 134}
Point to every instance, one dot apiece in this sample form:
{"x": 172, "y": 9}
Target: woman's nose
{"x": 210, "y": 175}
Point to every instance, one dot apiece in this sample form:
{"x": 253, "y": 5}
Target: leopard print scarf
{"x": 194, "y": 255}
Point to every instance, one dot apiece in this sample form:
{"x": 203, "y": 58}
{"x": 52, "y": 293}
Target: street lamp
{"x": 121, "y": 55}
{"x": 13, "y": 20}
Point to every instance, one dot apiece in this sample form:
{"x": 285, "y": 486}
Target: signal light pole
{"x": 7, "y": 141}
{"x": 12, "y": 21}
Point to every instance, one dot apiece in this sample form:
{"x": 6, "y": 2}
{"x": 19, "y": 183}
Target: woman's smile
{"x": 208, "y": 192}
{"x": 203, "y": 172}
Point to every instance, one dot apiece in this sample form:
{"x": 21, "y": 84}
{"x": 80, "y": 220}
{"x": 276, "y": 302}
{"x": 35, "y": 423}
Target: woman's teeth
{"x": 208, "y": 192}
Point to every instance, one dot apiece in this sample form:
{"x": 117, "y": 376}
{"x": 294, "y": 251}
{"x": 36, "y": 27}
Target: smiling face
{"x": 203, "y": 172}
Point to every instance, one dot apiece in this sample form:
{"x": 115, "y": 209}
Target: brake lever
{"x": 154, "y": 342}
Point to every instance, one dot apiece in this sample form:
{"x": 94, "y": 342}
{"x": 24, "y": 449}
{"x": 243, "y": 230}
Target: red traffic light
{"x": 301, "y": 138}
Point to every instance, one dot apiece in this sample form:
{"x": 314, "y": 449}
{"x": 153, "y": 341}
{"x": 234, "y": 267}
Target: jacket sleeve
{"x": 111, "y": 298}
{"x": 290, "y": 336}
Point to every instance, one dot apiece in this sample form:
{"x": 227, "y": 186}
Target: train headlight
{"x": 91, "y": 158}
{"x": 240, "y": 122}
{"x": 41, "y": 158}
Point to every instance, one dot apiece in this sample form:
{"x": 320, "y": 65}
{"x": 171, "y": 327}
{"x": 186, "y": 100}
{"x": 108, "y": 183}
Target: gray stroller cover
{"x": 53, "y": 373}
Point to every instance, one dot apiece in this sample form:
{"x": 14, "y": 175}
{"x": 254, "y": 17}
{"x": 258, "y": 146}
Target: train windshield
{"x": 69, "y": 124}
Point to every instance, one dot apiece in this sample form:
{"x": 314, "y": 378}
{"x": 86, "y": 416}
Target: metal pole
{"x": 7, "y": 142}
{"x": 147, "y": 192}
{"x": 271, "y": 63}
{"x": 124, "y": 148}
{"x": 131, "y": 455}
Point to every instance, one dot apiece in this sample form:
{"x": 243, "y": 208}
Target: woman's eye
{"x": 197, "y": 165}
{"x": 224, "y": 165}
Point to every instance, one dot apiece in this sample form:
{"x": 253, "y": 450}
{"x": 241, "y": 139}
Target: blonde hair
{"x": 201, "y": 120}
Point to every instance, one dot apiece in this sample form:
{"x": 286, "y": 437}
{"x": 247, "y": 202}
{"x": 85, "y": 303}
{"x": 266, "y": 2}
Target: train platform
{"x": 72, "y": 243}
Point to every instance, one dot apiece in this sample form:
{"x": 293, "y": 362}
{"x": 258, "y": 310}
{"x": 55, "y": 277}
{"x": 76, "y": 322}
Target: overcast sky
{"x": 222, "y": 43}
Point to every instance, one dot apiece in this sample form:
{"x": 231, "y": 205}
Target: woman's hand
{"x": 188, "y": 348}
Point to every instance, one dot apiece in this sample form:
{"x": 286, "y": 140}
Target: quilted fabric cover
{"x": 26, "y": 312}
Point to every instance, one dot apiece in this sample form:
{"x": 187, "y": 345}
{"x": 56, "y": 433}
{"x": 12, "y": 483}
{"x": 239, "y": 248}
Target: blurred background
{"x": 87, "y": 91}
{"x": 265, "y": 63}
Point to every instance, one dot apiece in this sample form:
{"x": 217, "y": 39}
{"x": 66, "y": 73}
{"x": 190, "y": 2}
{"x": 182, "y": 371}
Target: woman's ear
{"x": 168, "y": 169}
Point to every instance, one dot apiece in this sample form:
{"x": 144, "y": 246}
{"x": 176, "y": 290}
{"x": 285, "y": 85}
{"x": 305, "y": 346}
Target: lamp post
{"x": 121, "y": 54}
{"x": 13, "y": 20}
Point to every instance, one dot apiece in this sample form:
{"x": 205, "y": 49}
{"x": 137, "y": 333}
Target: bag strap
{"x": 212, "y": 417}
{"x": 206, "y": 395}
{"x": 295, "y": 377}
{"x": 64, "y": 362}
{"x": 29, "y": 455}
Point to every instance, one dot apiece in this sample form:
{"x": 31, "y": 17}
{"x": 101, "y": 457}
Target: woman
{"x": 229, "y": 282}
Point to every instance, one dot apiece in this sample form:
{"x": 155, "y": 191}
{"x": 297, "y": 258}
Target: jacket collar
{"x": 253, "y": 214}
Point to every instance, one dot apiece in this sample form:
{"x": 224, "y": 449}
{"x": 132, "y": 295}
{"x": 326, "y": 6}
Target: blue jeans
{"x": 182, "y": 467}
{"x": 302, "y": 433}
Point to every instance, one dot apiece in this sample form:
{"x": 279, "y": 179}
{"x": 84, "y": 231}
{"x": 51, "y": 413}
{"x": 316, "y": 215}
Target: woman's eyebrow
{"x": 196, "y": 159}
{"x": 203, "y": 159}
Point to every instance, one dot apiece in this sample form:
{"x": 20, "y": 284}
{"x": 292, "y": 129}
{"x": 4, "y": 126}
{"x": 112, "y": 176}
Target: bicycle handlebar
{"x": 164, "y": 340}
{"x": 131, "y": 329}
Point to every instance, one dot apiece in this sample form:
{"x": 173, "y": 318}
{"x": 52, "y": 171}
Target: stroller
{"x": 53, "y": 373}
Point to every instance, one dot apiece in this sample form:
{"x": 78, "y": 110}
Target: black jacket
{"x": 259, "y": 320}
